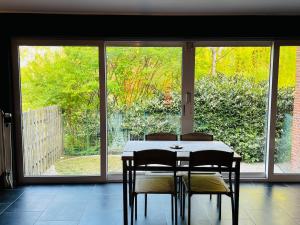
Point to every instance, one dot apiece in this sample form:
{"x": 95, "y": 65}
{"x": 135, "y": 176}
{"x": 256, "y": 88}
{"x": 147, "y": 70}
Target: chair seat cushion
{"x": 155, "y": 184}
{"x": 158, "y": 173}
{"x": 185, "y": 173}
{"x": 207, "y": 183}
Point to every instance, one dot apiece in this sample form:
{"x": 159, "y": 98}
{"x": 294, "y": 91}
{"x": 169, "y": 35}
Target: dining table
{"x": 183, "y": 149}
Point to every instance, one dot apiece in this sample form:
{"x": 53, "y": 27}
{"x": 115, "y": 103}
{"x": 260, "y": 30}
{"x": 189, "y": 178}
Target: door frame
{"x": 253, "y": 176}
{"x": 117, "y": 177}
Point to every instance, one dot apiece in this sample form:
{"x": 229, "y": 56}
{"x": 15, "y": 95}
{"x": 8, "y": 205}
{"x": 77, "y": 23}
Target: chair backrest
{"x": 196, "y": 136}
{"x": 212, "y": 158}
{"x": 154, "y": 156}
{"x": 161, "y": 137}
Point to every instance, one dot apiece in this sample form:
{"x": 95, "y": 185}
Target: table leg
{"x": 130, "y": 183}
{"x": 125, "y": 204}
{"x": 236, "y": 193}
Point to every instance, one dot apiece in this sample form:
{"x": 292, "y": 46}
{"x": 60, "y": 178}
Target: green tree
{"x": 135, "y": 74}
{"x": 67, "y": 77}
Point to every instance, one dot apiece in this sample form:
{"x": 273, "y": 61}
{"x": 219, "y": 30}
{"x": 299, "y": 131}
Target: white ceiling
{"x": 154, "y": 7}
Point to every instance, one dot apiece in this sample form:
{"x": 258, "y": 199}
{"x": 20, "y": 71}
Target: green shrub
{"x": 82, "y": 133}
{"x": 155, "y": 116}
{"x": 76, "y": 151}
{"x": 233, "y": 109}
{"x": 285, "y": 102}
{"x": 284, "y": 142}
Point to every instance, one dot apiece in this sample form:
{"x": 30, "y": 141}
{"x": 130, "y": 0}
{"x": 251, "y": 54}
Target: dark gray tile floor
{"x": 260, "y": 204}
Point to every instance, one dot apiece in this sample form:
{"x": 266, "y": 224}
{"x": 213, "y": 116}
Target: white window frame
{"x": 272, "y": 176}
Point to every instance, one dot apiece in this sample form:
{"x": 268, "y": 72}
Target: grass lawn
{"x": 86, "y": 165}
{"x": 90, "y": 165}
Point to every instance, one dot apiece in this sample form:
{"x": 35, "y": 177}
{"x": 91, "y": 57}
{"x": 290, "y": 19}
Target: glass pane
{"x": 60, "y": 110}
{"x": 231, "y": 96}
{"x": 287, "y": 149}
{"x": 144, "y": 95}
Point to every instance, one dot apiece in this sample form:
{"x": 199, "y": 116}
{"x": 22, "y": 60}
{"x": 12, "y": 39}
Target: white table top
{"x": 187, "y": 146}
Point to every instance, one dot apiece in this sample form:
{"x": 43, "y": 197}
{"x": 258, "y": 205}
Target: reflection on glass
{"x": 287, "y": 149}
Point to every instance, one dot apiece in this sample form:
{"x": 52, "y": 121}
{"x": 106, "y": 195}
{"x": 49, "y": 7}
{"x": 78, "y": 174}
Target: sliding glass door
{"x": 143, "y": 95}
{"x": 287, "y": 136}
{"x": 59, "y": 109}
{"x": 231, "y": 99}
{"x": 221, "y": 89}
{"x": 79, "y": 102}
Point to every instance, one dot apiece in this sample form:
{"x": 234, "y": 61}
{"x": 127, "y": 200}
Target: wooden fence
{"x": 42, "y": 139}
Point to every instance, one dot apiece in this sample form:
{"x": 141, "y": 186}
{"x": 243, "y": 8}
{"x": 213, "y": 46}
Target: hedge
{"x": 232, "y": 108}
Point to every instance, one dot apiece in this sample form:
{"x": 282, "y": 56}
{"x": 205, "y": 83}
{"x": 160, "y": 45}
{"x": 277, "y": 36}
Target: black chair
{"x": 196, "y": 136}
{"x": 154, "y": 184}
{"x": 211, "y": 160}
{"x": 161, "y": 137}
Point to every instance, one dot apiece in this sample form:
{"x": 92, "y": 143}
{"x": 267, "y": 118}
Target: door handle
{"x": 188, "y": 97}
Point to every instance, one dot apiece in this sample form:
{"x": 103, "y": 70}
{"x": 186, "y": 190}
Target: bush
{"x": 153, "y": 116}
{"x": 82, "y": 131}
{"x": 233, "y": 109}
{"x": 76, "y": 151}
{"x": 285, "y": 102}
{"x": 284, "y": 142}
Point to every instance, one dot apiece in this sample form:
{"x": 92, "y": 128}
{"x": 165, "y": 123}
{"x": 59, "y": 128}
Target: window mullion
{"x": 188, "y": 75}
